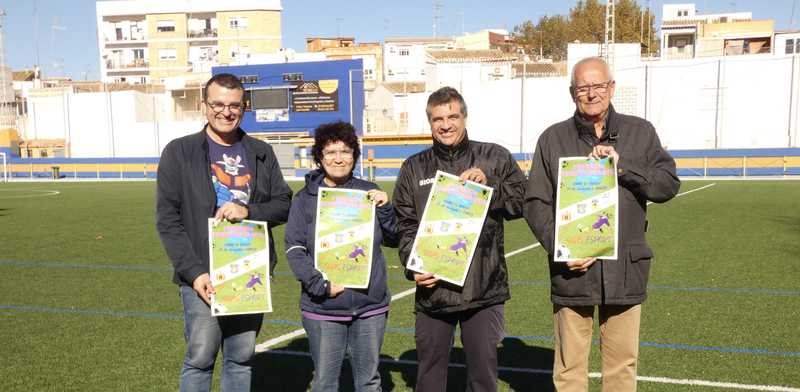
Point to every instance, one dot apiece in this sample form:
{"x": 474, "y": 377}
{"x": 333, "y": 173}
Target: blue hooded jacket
{"x": 299, "y": 239}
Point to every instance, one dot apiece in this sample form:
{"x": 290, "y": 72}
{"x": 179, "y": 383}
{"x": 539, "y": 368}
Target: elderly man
{"x": 219, "y": 172}
{"x": 478, "y": 306}
{"x": 616, "y": 288}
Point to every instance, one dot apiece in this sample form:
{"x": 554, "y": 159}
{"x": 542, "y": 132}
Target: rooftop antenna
{"x": 57, "y": 62}
{"x": 339, "y": 27}
{"x": 36, "y": 37}
{"x": 437, "y": 6}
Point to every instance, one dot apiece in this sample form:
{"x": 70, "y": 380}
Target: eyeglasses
{"x": 330, "y": 155}
{"x": 219, "y": 107}
{"x": 600, "y": 88}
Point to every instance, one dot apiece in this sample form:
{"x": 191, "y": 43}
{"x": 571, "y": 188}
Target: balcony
{"x": 203, "y": 65}
{"x": 204, "y": 33}
{"x": 119, "y": 65}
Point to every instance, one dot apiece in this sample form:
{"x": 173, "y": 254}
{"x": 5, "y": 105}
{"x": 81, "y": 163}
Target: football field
{"x": 88, "y": 304}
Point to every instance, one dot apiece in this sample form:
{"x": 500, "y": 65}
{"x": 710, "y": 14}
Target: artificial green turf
{"x": 88, "y": 303}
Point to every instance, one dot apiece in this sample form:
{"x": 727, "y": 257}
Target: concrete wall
{"x": 119, "y": 124}
{"x": 711, "y": 103}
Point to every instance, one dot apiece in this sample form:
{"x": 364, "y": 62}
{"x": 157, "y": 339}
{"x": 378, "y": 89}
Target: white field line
{"x": 531, "y": 246}
{"x": 300, "y": 332}
{"x": 28, "y": 193}
{"x": 260, "y": 348}
{"x": 659, "y": 380}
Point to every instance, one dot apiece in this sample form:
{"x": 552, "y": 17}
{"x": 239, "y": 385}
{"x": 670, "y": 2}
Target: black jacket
{"x": 185, "y": 199}
{"x": 487, "y": 280}
{"x": 646, "y": 172}
{"x": 299, "y": 237}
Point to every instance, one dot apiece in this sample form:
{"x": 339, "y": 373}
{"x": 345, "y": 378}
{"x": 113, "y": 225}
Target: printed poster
{"x": 343, "y": 236}
{"x": 587, "y": 209}
{"x": 316, "y": 96}
{"x": 239, "y": 258}
{"x": 272, "y": 115}
{"x": 450, "y": 227}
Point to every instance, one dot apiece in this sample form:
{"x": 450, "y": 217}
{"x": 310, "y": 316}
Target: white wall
{"x": 410, "y": 67}
{"x": 756, "y": 106}
{"x": 750, "y": 109}
{"x": 119, "y": 124}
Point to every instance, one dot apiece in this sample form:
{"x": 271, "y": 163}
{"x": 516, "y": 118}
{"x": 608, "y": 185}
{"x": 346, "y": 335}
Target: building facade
{"x": 686, "y": 34}
{"x": 346, "y": 48}
{"x": 151, "y": 41}
{"x": 406, "y": 59}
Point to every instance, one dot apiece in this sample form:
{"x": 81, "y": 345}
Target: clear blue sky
{"x": 65, "y": 33}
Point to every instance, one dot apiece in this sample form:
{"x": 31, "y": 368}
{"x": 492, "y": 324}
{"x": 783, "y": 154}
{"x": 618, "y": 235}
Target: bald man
{"x": 616, "y": 288}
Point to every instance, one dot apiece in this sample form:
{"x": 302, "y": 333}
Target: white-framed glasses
{"x": 345, "y": 154}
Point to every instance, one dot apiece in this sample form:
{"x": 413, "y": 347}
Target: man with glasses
{"x": 219, "y": 172}
{"x": 646, "y": 172}
{"x": 478, "y": 306}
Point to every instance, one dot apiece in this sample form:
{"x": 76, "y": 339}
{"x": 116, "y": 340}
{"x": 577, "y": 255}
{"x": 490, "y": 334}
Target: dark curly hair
{"x": 338, "y": 131}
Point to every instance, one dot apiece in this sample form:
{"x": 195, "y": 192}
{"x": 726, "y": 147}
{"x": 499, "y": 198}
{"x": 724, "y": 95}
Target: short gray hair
{"x": 443, "y": 96}
{"x": 587, "y": 61}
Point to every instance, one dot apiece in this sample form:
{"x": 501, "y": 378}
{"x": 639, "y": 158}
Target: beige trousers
{"x": 619, "y": 346}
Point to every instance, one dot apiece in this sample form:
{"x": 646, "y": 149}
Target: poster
{"x": 450, "y": 227}
{"x": 316, "y": 96}
{"x": 272, "y": 115}
{"x": 239, "y": 265}
{"x": 343, "y": 236}
{"x": 587, "y": 212}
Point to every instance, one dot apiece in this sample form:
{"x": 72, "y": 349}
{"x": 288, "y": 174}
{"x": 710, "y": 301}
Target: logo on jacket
{"x": 427, "y": 181}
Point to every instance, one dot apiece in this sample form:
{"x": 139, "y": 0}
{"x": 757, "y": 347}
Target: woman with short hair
{"x": 340, "y": 320}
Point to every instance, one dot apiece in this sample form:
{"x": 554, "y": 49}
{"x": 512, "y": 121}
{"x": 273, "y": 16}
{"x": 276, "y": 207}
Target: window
{"x": 797, "y": 45}
{"x": 790, "y": 46}
{"x": 238, "y": 22}
{"x": 403, "y": 52}
{"x": 237, "y": 51}
{"x": 163, "y": 26}
{"x": 138, "y": 58}
{"x": 208, "y": 53}
{"x": 167, "y": 54}
{"x": 292, "y": 77}
{"x": 269, "y": 99}
{"x": 137, "y": 32}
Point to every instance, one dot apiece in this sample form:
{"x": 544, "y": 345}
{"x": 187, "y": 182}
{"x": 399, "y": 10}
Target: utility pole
{"x": 608, "y": 46}
{"x": 6, "y": 119}
{"x": 649, "y": 32}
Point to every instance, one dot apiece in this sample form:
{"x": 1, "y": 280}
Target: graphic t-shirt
{"x": 229, "y": 172}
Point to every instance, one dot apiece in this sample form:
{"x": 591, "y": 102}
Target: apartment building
{"x": 345, "y": 48}
{"x": 685, "y": 33}
{"x": 154, "y": 41}
{"x": 406, "y": 59}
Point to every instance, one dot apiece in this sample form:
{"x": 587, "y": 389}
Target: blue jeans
{"x": 205, "y": 334}
{"x": 360, "y": 339}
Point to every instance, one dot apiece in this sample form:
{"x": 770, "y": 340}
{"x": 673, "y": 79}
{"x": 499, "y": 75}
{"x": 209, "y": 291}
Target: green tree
{"x": 586, "y": 23}
{"x": 544, "y": 37}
